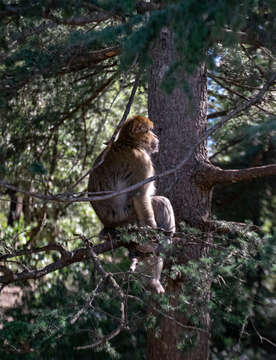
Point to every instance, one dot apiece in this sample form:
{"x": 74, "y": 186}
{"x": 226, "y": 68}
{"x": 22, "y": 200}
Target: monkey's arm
{"x": 142, "y": 198}
{"x": 144, "y": 210}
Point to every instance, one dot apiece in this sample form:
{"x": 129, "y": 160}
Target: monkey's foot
{"x": 156, "y": 285}
{"x": 133, "y": 264}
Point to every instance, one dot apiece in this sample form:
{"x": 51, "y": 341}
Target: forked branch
{"x": 66, "y": 258}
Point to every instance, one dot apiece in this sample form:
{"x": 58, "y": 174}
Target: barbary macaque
{"x": 127, "y": 163}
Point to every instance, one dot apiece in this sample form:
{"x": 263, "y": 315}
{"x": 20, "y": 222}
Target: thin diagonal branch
{"x": 122, "y": 297}
{"x": 75, "y": 197}
{"x": 102, "y": 156}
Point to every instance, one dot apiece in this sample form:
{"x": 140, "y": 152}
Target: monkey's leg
{"x": 154, "y": 265}
{"x": 163, "y": 213}
{"x": 157, "y": 266}
{"x": 133, "y": 265}
{"x": 164, "y": 217}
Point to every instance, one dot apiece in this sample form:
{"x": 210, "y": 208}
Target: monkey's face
{"x": 138, "y": 132}
{"x": 154, "y": 144}
{"x": 148, "y": 141}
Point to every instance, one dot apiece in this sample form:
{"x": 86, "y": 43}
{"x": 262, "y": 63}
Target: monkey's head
{"x": 137, "y": 131}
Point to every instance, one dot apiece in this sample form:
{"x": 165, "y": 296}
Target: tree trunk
{"x": 180, "y": 119}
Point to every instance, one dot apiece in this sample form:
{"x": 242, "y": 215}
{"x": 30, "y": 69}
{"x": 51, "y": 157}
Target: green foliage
{"x": 237, "y": 264}
{"x": 37, "y": 168}
{"x": 46, "y": 327}
{"x": 240, "y": 265}
{"x": 140, "y": 235}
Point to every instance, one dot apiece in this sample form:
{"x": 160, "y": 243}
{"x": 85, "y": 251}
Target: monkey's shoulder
{"x": 129, "y": 154}
{"x": 122, "y": 165}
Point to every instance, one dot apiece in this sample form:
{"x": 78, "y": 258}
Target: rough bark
{"x": 180, "y": 119}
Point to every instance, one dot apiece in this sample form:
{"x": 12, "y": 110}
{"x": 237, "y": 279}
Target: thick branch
{"x": 213, "y": 175}
{"x": 81, "y": 20}
{"x": 78, "y": 60}
{"x": 96, "y": 14}
{"x": 89, "y": 59}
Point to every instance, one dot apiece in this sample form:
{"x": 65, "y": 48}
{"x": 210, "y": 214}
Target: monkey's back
{"x": 123, "y": 166}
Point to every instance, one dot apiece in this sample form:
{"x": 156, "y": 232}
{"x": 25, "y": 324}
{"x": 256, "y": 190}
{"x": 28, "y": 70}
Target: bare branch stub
{"x": 87, "y": 304}
{"x": 123, "y": 300}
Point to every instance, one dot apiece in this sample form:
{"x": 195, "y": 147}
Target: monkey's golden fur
{"x": 127, "y": 163}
